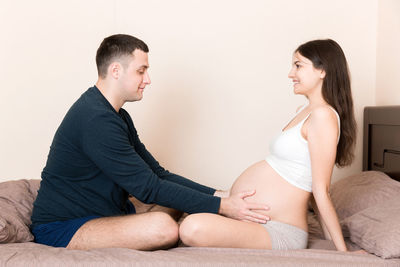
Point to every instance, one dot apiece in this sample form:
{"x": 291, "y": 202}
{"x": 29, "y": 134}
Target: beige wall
{"x": 219, "y": 89}
{"x": 388, "y": 53}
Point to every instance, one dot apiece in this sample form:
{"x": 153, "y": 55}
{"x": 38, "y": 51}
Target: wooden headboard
{"x": 381, "y": 144}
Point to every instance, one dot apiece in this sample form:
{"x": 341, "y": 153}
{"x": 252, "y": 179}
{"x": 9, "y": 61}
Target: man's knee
{"x": 163, "y": 228}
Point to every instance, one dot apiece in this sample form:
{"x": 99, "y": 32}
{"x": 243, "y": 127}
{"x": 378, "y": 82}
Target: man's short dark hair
{"x": 116, "y": 46}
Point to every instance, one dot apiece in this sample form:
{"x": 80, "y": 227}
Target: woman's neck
{"x": 316, "y": 99}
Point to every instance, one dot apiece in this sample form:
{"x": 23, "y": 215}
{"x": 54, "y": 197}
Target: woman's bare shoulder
{"x": 323, "y": 120}
{"x": 324, "y": 113}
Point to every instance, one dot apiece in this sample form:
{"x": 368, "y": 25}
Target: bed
{"x": 381, "y": 144}
{"x": 367, "y": 203}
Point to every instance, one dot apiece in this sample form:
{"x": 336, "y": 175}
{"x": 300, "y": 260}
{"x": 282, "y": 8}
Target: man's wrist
{"x": 222, "y": 206}
{"x": 221, "y": 193}
{"x": 217, "y": 193}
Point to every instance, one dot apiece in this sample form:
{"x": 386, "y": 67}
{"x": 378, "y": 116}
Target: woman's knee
{"x": 192, "y": 230}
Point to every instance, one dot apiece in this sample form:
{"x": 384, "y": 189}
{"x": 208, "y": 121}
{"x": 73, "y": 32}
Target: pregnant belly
{"x": 288, "y": 204}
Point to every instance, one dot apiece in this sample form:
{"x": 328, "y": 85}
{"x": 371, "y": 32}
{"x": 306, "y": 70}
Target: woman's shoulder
{"x": 324, "y": 123}
{"x": 324, "y": 114}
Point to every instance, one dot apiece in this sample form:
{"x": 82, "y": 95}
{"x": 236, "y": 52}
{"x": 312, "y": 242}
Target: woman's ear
{"x": 323, "y": 74}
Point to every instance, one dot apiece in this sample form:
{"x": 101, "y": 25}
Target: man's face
{"x": 134, "y": 76}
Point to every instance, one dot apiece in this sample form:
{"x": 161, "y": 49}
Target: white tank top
{"x": 289, "y": 155}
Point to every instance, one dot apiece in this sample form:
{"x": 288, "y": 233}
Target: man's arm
{"x": 106, "y": 143}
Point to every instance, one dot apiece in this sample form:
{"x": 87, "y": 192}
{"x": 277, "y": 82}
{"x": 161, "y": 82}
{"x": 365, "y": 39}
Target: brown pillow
{"x": 358, "y": 192}
{"x": 377, "y": 229}
{"x": 16, "y": 202}
{"x": 314, "y": 228}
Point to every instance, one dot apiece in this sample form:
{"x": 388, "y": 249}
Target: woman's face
{"x": 306, "y": 78}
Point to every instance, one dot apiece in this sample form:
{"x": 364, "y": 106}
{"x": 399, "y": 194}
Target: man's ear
{"x": 114, "y": 70}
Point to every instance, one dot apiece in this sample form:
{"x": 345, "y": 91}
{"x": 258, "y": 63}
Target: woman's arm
{"x": 320, "y": 220}
{"x": 322, "y": 134}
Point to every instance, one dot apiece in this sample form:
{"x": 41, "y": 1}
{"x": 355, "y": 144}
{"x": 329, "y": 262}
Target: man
{"x": 96, "y": 160}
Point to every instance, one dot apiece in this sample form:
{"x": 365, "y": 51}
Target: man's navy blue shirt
{"x": 96, "y": 160}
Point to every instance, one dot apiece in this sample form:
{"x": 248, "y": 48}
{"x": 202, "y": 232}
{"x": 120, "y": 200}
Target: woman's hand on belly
{"x": 236, "y": 207}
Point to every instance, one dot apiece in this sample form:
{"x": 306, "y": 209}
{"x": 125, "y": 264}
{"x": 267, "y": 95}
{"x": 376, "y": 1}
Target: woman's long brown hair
{"x": 336, "y": 90}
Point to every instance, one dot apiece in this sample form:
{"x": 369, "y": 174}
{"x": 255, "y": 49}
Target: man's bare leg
{"x": 146, "y": 231}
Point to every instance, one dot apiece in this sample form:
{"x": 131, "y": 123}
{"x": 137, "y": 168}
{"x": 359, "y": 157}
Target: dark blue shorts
{"x": 60, "y": 233}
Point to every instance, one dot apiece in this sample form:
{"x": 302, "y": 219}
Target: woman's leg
{"x": 211, "y": 230}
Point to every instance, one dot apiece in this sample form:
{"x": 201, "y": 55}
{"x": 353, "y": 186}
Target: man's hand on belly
{"x": 236, "y": 207}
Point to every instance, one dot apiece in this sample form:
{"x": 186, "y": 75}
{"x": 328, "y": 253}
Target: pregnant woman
{"x": 300, "y": 163}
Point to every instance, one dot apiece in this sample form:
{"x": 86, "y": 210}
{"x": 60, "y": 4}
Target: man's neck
{"x": 109, "y": 93}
